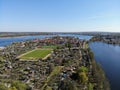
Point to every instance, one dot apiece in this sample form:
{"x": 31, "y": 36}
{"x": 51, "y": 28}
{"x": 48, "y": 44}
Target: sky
{"x": 59, "y": 15}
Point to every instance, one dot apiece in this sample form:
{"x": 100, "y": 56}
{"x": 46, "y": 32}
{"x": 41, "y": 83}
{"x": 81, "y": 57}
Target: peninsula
{"x": 56, "y": 63}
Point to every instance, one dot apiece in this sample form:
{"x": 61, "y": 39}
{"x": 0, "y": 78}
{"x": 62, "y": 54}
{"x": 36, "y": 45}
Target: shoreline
{"x": 10, "y": 36}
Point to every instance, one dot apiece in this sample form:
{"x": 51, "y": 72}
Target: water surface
{"x": 109, "y": 58}
{"x": 10, "y": 40}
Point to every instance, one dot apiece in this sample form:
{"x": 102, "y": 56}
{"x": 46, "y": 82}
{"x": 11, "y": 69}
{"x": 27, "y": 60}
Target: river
{"x": 108, "y": 56}
{"x": 9, "y": 40}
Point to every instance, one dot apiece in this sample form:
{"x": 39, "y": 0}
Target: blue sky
{"x": 60, "y": 15}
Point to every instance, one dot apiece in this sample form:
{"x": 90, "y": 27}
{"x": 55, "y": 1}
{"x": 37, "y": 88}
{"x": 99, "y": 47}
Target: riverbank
{"x": 18, "y": 34}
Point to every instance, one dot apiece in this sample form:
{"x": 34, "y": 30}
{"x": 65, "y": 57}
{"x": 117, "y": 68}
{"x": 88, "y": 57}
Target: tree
{"x": 68, "y": 45}
{"x": 81, "y": 73}
{"x": 12, "y": 88}
{"x": 90, "y": 87}
{"x": 82, "y": 69}
{"x": 67, "y": 85}
{"x": 51, "y": 67}
{"x": 18, "y": 85}
{"x": 83, "y": 77}
{"x": 91, "y": 55}
{"x": 2, "y": 87}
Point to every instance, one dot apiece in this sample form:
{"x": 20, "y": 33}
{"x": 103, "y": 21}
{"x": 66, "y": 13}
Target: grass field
{"x": 36, "y": 54}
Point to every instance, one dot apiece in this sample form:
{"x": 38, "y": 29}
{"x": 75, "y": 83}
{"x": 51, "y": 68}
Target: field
{"x": 35, "y": 54}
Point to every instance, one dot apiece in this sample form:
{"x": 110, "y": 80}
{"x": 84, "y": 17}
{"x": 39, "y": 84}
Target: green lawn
{"x": 35, "y": 54}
